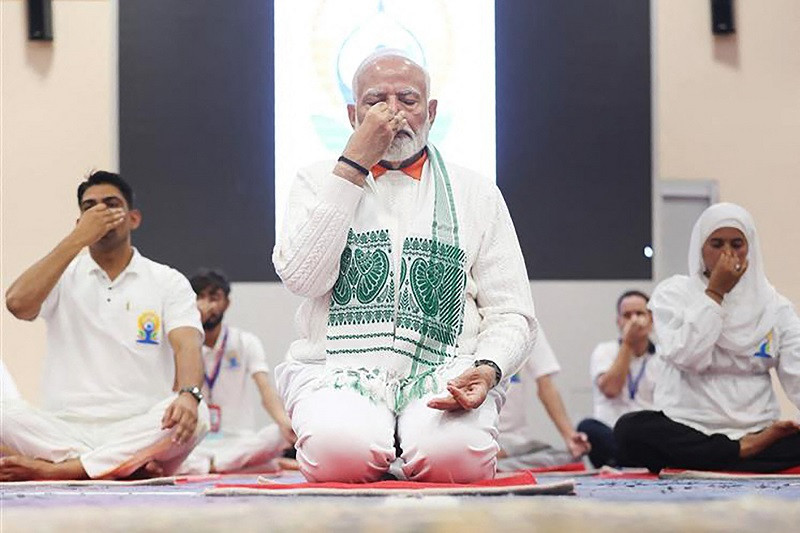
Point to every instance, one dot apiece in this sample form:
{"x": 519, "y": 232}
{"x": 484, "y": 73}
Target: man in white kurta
{"x": 520, "y": 431}
{"x": 236, "y": 371}
{"x": 417, "y": 303}
{"x": 123, "y": 333}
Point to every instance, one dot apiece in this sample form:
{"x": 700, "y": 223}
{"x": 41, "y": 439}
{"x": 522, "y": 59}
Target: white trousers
{"x": 546, "y": 456}
{"x": 106, "y": 449}
{"x": 229, "y": 453}
{"x": 343, "y": 436}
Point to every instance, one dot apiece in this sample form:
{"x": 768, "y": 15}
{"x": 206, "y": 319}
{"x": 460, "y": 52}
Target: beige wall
{"x": 56, "y": 125}
{"x": 725, "y": 109}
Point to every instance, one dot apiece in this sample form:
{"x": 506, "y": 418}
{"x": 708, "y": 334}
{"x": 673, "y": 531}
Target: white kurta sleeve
{"x": 508, "y": 324}
{"x": 687, "y": 323}
{"x": 789, "y": 354}
{"x": 318, "y": 217}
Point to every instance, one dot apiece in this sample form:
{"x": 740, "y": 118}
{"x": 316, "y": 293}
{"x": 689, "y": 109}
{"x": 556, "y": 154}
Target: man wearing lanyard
{"x": 623, "y": 376}
{"x": 231, "y": 357}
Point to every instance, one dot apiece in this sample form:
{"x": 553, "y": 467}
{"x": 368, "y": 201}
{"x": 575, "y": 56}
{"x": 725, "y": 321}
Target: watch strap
{"x": 194, "y": 390}
{"x": 498, "y": 374}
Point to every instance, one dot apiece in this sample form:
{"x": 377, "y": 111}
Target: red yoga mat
{"x": 524, "y": 483}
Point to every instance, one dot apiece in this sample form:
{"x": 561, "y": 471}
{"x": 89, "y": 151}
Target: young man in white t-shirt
{"x": 520, "y": 447}
{"x": 123, "y": 369}
{"x": 623, "y": 376}
{"x": 232, "y": 357}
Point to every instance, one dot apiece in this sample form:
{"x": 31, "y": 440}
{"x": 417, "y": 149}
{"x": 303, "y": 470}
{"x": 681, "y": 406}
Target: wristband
{"x": 715, "y": 293}
{"x": 498, "y": 375}
{"x": 351, "y": 163}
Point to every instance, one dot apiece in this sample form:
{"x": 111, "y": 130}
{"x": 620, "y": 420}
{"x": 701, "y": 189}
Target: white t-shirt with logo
{"x": 108, "y": 356}
{"x": 518, "y": 426}
{"x": 636, "y": 394}
{"x": 235, "y": 391}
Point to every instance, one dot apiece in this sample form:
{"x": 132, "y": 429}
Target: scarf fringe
{"x": 380, "y": 387}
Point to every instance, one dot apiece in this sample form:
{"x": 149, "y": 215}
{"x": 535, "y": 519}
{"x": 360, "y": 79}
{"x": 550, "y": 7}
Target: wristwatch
{"x": 498, "y": 374}
{"x": 194, "y": 390}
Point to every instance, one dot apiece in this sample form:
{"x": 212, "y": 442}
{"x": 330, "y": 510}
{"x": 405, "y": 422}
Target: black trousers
{"x": 604, "y": 445}
{"x": 651, "y": 439}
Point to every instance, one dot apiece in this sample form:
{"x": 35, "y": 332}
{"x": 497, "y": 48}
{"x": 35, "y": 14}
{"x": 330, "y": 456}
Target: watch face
{"x": 194, "y": 391}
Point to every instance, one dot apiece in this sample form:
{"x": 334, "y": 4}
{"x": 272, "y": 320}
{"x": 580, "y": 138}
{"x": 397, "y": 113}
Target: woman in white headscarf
{"x": 721, "y": 329}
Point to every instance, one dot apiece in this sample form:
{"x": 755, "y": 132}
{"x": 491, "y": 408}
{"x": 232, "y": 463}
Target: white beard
{"x": 404, "y": 146}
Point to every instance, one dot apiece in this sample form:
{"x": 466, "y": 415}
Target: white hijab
{"x": 751, "y": 308}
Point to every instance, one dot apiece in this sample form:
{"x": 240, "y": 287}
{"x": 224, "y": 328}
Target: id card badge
{"x": 215, "y": 417}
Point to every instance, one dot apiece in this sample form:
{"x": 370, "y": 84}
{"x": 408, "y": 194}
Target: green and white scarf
{"x": 392, "y": 355}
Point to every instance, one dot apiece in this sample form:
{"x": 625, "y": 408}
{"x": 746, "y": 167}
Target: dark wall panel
{"x": 196, "y": 131}
{"x": 573, "y": 134}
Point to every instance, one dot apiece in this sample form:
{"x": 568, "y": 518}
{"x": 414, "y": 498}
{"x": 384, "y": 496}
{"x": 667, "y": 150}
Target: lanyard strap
{"x": 633, "y": 384}
{"x": 210, "y": 380}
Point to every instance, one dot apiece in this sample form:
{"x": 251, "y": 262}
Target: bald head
{"x": 390, "y": 62}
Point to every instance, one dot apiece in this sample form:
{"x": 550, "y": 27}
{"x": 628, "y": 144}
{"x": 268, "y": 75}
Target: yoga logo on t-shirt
{"x": 149, "y": 324}
{"x": 766, "y": 346}
{"x": 233, "y": 360}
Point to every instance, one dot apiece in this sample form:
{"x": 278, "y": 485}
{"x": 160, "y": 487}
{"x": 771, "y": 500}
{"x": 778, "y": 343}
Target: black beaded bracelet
{"x": 498, "y": 375}
{"x": 353, "y": 164}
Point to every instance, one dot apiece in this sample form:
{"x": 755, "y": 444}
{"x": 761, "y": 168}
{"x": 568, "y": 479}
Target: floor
{"x": 757, "y": 506}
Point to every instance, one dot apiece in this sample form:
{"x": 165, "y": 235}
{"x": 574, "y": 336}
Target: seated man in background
{"x": 231, "y": 358}
{"x": 623, "y": 376}
{"x": 123, "y": 333}
{"x": 416, "y": 298}
{"x": 520, "y": 447}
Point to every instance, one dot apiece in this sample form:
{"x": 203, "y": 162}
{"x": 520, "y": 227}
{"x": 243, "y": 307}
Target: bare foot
{"x": 755, "y": 443}
{"x": 6, "y": 450}
{"x": 21, "y": 468}
{"x": 288, "y": 464}
{"x": 147, "y": 471}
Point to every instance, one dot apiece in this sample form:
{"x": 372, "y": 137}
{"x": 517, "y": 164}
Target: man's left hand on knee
{"x": 467, "y": 391}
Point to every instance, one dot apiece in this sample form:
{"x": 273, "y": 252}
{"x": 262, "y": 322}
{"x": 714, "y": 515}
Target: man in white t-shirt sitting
{"x": 231, "y": 358}
{"x": 520, "y": 432}
{"x": 623, "y": 376}
{"x": 123, "y": 333}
